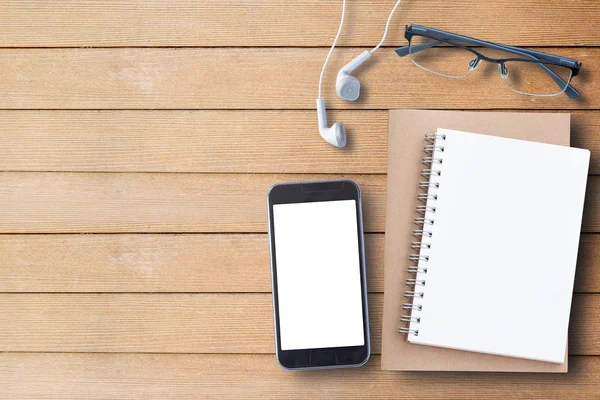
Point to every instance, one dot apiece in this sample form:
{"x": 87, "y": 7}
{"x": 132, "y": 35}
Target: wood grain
{"x": 148, "y": 263}
{"x": 190, "y": 141}
{"x": 82, "y": 202}
{"x": 218, "y": 78}
{"x": 33, "y": 202}
{"x": 210, "y": 141}
{"x": 224, "y": 376}
{"x": 96, "y": 23}
{"x": 121, "y": 130}
{"x": 188, "y": 323}
{"x": 228, "y": 263}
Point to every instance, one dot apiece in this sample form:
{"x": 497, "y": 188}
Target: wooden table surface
{"x": 137, "y": 142}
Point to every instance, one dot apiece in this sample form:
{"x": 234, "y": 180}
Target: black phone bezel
{"x": 304, "y": 192}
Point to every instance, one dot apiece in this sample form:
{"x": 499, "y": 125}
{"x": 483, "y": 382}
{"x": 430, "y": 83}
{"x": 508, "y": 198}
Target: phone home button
{"x": 322, "y": 358}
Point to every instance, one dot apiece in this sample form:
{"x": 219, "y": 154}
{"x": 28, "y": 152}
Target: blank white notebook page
{"x": 505, "y": 234}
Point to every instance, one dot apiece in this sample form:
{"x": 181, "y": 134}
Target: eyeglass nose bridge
{"x": 503, "y": 70}
{"x": 474, "y": 63}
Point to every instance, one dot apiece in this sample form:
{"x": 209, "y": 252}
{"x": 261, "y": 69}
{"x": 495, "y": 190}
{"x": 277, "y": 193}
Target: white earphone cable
{"x": 332, "y": 46}
{"x": 387, "y": 25}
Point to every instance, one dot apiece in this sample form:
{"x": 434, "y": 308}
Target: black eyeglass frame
{"x": 531, "y": 55}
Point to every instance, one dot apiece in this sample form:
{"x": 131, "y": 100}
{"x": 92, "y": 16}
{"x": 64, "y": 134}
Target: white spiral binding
{"x": 424, "y": 222}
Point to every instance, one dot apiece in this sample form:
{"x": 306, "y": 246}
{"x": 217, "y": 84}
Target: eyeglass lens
{"x": 524, "y": 77}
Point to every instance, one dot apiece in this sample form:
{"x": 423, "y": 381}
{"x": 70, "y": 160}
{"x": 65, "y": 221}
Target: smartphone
{"x": 318, "y": 275}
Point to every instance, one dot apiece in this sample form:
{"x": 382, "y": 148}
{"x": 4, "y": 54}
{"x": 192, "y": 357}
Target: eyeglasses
{"x": 523, "y": 71}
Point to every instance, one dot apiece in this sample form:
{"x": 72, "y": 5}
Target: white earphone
{"x": 346, "y": 85}
{"x": 334, "y": 135}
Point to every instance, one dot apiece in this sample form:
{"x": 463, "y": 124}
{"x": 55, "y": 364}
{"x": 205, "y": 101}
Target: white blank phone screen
{"x": 318, "y": 275}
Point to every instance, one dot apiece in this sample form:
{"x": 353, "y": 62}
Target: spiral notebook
{"x": 498, "y": 234}
{"x": 490, "y": 256}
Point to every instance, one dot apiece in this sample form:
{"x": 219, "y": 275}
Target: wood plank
{"x": 585, "y": 134}
{"x": 35, "y": 202}
{"x": 587, "y": 274}
{"x": 209, "y": 141}
{"x": 188, "y": 323}
{"x": 180, "y": 263}
{"x": 54, "y": 23}
{"x": 225, "y": 376}
{"x": 189, "y": 141}
{"x": 91, "y": 202}
{"x": 148, "y": 263}
{"x": 224, "y": 78}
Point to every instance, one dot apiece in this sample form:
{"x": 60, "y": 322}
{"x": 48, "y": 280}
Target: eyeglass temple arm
{"x": 405, "y": 50}
{"x": 569, "y": 90}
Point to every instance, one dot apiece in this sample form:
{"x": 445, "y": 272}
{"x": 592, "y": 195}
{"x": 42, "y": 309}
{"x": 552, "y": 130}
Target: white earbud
{"x": 334, "y": 135}
{"x": 346, "y": 85}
